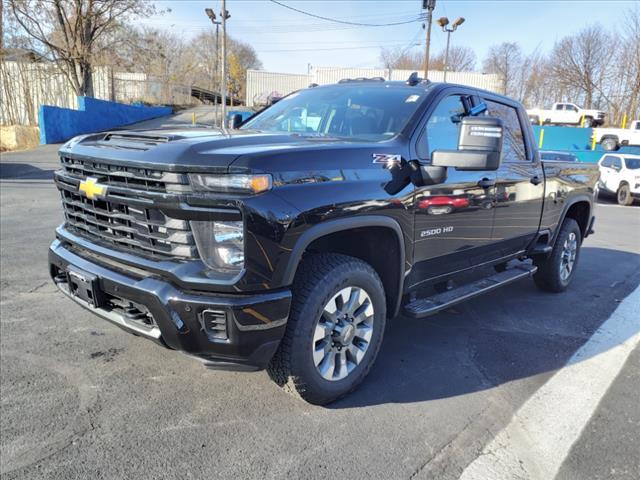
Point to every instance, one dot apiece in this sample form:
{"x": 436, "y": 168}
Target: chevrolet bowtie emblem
{"x": 92, "y": 189}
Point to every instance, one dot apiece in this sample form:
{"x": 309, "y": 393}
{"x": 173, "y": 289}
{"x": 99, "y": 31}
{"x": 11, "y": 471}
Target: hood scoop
{"x": 132, "y": 141}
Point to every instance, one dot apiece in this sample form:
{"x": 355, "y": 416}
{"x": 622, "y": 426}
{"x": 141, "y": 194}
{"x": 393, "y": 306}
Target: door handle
{"x": 487, "y": 182}
{"x": 536, "y": 180}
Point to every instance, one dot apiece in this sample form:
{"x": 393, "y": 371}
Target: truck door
{"x": 614, "y": 177}
{"x": 606, "y": 171}
{"x": 560, "y": 114}
{"x": 453, "y": 219}
{"x": 520, "y": 183}
{"x": 572, "y": 115}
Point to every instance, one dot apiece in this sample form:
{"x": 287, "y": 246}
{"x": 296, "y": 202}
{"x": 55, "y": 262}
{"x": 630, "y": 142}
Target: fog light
{"x": 220, "y": 244}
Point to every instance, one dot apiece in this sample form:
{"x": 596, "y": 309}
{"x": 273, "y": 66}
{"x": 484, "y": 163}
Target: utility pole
{"x": 216, "y": 69}
{"x": 429, "y": 6}
{"x": 225, "y": 15}
{"x": 216, "y": 78}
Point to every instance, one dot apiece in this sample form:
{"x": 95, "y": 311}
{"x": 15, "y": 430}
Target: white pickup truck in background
{"x": 614, "y": 138}
{"x": 567, "y": 114}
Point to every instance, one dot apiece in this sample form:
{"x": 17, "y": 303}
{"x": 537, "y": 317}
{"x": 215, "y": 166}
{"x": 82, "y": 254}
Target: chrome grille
{"x": 125, "y": 176}
{"x": 114, "y": 222}
{"x": 144, "y": 230}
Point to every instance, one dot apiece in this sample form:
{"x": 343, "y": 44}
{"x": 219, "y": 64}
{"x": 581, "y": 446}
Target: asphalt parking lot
{"x": 81, "y": 398}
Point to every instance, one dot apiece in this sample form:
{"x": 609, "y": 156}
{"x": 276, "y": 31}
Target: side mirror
{"x": 235, "y": 121}
{"x": 479, "y": 146}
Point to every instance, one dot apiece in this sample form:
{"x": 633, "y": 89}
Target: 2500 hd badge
{"x": 281, "y": 245}
{"x": 436, "y": 231}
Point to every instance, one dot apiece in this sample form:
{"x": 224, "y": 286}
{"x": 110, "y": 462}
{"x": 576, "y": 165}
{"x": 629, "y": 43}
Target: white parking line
{"x": 540, "y": 435}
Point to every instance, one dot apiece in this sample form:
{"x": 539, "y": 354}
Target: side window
{"x": 607, "y": 161}
{"x": 441, "y": 132}
{"x": 572, "y": 108}
{"x": 513, "y": 149}
{"x": 560, "y": 106}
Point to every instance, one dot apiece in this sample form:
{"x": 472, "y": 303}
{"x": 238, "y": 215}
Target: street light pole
{"x": 443, "y": 22}
{"x": 429, "y": 6}
{"x": 446, "y": 55}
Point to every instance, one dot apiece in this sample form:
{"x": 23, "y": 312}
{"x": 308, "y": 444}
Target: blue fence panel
{"x": 60, "y": 124}
{"x": 574, "y": 140}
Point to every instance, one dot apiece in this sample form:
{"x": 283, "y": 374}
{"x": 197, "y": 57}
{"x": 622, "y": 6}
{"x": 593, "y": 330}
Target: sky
{"x": 287, "y": 41}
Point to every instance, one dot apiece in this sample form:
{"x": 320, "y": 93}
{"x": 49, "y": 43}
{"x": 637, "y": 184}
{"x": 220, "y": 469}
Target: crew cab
{"x": 614, "y": 138}
{"x": 288, "y": 243}
{"x": 563, "y": 113}
{"x": 620, "y": 176}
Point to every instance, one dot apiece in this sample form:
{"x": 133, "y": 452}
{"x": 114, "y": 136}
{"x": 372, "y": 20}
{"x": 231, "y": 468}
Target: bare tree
{"x": 505, "y": 60}
{"x": 581, "y": 63}
{"x": 401, "y": 59}
{"x": 461, "y": 59}
{"x": 628, "y": 66}
{"x": 242, "y": 56}
{"x": 73, "y": 32}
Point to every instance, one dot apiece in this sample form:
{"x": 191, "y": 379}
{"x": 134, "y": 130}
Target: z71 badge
{"x": 386, "y": 159}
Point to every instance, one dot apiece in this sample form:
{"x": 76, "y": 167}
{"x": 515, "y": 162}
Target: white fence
{"x": 24, "y": 86}
{"x": 261, "y": 84}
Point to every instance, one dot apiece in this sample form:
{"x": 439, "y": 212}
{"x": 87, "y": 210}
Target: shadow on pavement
{"x": 24, "y": 170}
{"x": 512, "y": 333}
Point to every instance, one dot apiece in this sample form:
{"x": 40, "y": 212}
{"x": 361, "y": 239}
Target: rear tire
{"x": 556, "y": 271}
{"x": 623, "y": 195}
{"x": 321, "y": 337}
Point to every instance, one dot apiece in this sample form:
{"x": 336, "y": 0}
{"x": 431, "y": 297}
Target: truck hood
{"x": 200, "y": 149}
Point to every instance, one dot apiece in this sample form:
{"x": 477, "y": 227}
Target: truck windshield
{"x": 351, "y": 112}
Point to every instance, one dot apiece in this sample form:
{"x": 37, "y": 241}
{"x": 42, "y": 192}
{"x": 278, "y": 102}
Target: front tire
{"x": 556, "y": 271}
{"x": 623, "y": 195}
{"x": 335, "y": 328}
{"x": 588, "y": 122}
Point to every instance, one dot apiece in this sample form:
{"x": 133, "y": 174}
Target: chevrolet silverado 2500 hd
{"x": 289, "y": 242}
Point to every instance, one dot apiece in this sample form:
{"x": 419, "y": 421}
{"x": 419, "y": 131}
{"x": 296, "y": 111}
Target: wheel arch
{"x": 358, "y": 237}
{"x": 579, "y": 208}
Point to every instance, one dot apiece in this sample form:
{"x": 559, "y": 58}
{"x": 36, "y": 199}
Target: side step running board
{"x": 423, "y": 307}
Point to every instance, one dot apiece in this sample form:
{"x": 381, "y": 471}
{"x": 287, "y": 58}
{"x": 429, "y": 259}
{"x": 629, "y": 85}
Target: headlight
{"x": 220, "y": 244}
{"x": 231, "y": 183}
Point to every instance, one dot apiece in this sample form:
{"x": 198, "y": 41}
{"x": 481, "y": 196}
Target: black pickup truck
{"x": 289, "y": 242}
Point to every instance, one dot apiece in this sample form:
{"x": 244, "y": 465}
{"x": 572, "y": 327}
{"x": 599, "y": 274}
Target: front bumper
{"x": 243, "y": 335}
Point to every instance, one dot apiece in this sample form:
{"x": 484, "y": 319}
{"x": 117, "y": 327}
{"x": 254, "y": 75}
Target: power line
{"x": 344, "y": 21}
{"x": 335, "y": 48}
